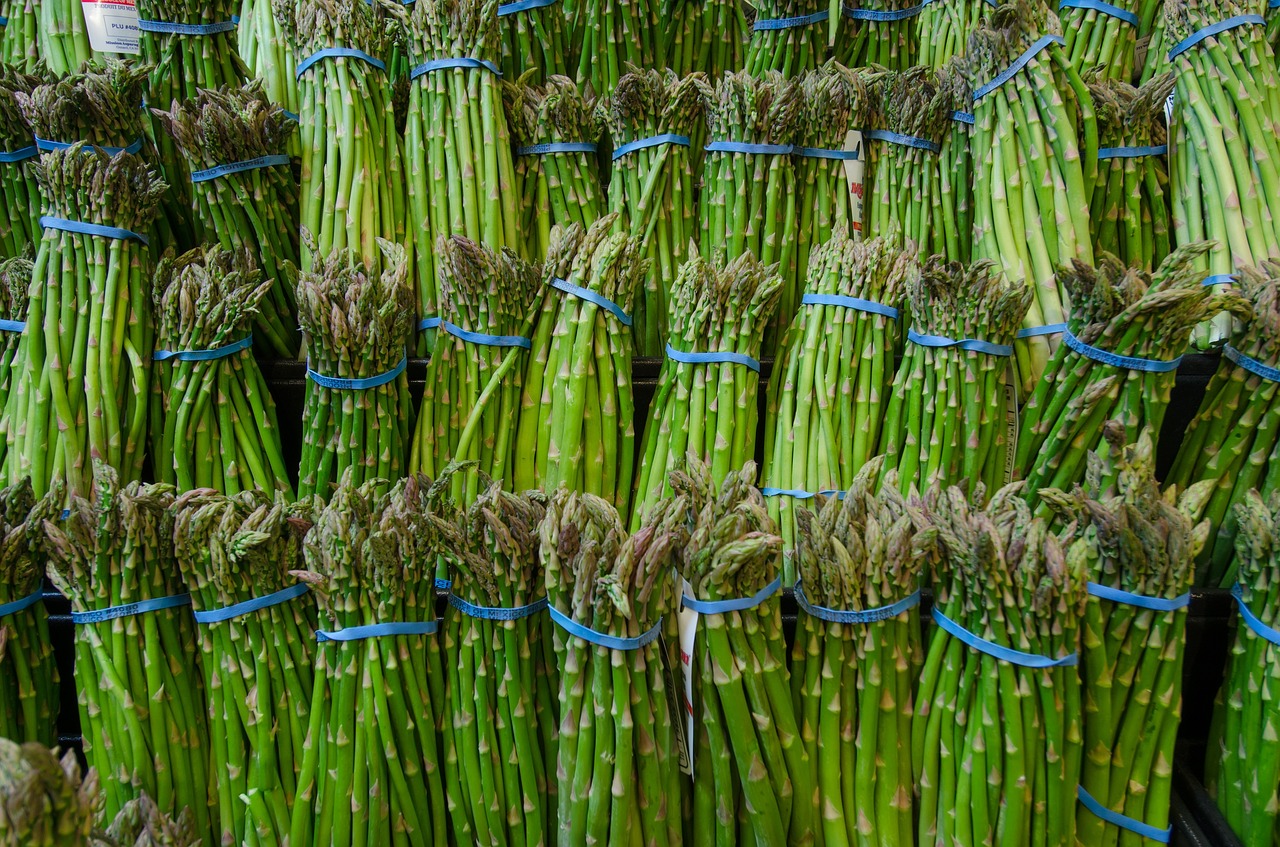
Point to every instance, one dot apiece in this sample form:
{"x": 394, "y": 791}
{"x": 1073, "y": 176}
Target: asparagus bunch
{"x": 142, "y": 705}
{"x": 1234, "y": 435}
{"x": 996, "y": 735}
{"x": 213, "y": 421}
{"x": 267, "y": 51}
{"x": 955, "y": 168}
{"x": 472, "y": 396}
{"x": 256, "y": 629}
{"x": 233, "y": 141}
{"x": 708, "y": 36}
{"x": 856, "y": 658}
{"x": 497, "y": 767}
{"x": 832, "y": 377}
{"x": 1138, "y": 551}
{"x": 557, "y": 169}
{"x": 1129, "y": 210}
{"x": 353, "y": 173}
{"x": 705, "y": 405}
{"x": 83, "y": 387}
{"x": 357, "y": 413}
{"x": 752, "y": 776}
{"x": 1226, "y": 147}
{"x": 748, "y": 200}
{"x": 882, "y": 33}
{"x": 15, "y": 280}
{"x": 788, "y": 37}
{"x": 370, "y": 765}
{"x": 1127, "y": 332}
{"x": 1035, "y": 150}
{"x": 905, "y": 203}
{"x": 612, "y": 37}
{"x": 943, "y": 28}
{"x": 1103, "y": 38}
{"x": 141, "y": 823}
{"x": 62, "y": 41}
{"x": 576, "y": 423}
{"x": 28, "y": 675}
{"x": 617, "y": 768}
{"x": 19, "y": 42}
{"x": 536, "y": 38}
{"x": 654, "y": 118}
{"x": 44, "y": 801}
{"x": 20, "y": 226}
{"x": 462, "y": 176}
{"x": 953, "y": 396}
{"x": 1242, "y": 768}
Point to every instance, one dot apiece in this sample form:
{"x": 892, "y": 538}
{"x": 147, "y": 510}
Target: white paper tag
{"x": 1168, "y": 110}
{"x": 688, "y": 634}
{"x": 676, "y": 703}
{"x": 853, "y": 171}
{"x": 112, "y": 25}
{"x": 1011, "y": 422}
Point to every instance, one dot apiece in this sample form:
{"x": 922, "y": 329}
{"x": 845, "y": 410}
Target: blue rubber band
{"x": 20, "y": 605}
{"x": 204, "y": 355}
{"x": 497, "y": 613}
{"x": 1098, "y": 6}
{"x": 1218, "y": 279}
{"x": 651, "y": 141}
{"x": 1142, "y": 601}
{"x": 239, "y": 167}
{"x": 975, "y": 345}
{"x": 339, "y": 384}
{"x": 881, "y": 613}
{"x": 601, "y": 639}
{"x": 800, "y": 493}
{"x": 762, "y": 25}
{"x": 1018, "y": 64}
{"x": 1251, "y": 620}
{"x": 19, "y": 155}
{"x": 443, "y": 584}
{"x": 1273, "y": 4}
{"x": 557, "y": 147}
{"x": 1047, "y": 329}
{"x": 883, "y": 16}
{"x": 847, "y": 302}
{"x": 429, "y": 323}
{"x": 756, "y": 149}
{"x": 1214, "y": 29}
{"x": 50, "y": 222}
{"x": 712, "y": 358}
{"x": 1251, "y": 365}
{"x": 460, "y": 62}
{"x": 293, "y": 116}
{"x": 7, "y": 325}
{"x": 484, "y": 338}
{"x": 378, "y": 630}
{"x": 1132, "y": 152}
{"x": 999, "y": 651}
{"x": 131, "y": 609}
{"x": 592, "y": 297}
{"x": 1160, "y": 836}
{"x": 522, "y": 6}
{"x": 188, "y": 29}
{"x": 4, "y": 21}
{"x": 737, "y": 604}
{"x": 823, "y": 153}
{"x": 246, "y": 607}
{"x": 337, "y": 53}
{"x": 45, "y": 145}
{"x": 902, "y": 140}
{"x": 964, "y": 117}
{"x": 1132, "y": 363}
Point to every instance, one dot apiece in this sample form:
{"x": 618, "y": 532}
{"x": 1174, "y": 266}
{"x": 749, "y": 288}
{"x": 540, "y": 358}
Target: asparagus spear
{"x": 19, "y": 44}
{"x": 20, "y": 225}
{"x": 28, "y": 674}
{"x": 44, "y": 800}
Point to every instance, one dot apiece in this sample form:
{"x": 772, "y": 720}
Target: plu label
{"x": 853, "y": 176}
{"x": 112, "y": 25}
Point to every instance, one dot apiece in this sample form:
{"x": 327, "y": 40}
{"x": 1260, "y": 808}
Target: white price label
{"x": 688, "y": 634}
{"x": 112, "y": 25}
{"x": 853, "y": 173}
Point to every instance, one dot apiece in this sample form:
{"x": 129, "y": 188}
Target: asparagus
{"x": 535, "y": 37}
{"x": 787, "y": 37}
{"x": 955, "y": 168}
{"x": 708, "y": 36}
{"x": 1103, "y": 37}
{"x": 44, "y": 800}
{"x": 883, "y": 33}
{"x": 62, "y": 41}
{"x": 28, "y": 674}
{"x": 943, "y": 28}
{"x": 15, "y": 279}
{"x": 19, "y": 45}
{"x": 268, "y": 53}
{"x": 20, "y": 225}
{"x": 141, "y": 823}
{"x": 611, "y": 37}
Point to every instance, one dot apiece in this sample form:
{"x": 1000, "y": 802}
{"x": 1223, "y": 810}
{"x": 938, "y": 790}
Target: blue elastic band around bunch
{"x": 902, "y": 140}
{"x": 19, "y": 155}
{"x": 1251, "y": 620}
{"x": 19, "y": 605}
{"x": 800, "y": 493}
{"x": 652, "y": 141}
{"x": 50, "y": 222}
{"x": 755, "y": 149}
{"x": 975, "y": 345}
{"x": 1160, "y": 836}
{"x": 1219, "y": 279}
{"x": 790, "y": 23}
{"x": 1249, "y": 363}
{"x": 523, "y": 6}
{"x": 1018, "y": 64}
{"x": 293, "y": 116}
{"x": 879, "y": 16}
{"x": 881, "y": 613}
{"x": 557, "y": 147}
{"x": 1047, "y": 329}
{"x": 999, "y": 651}
{"x": 204, "y": 355}
{"x": 188, "y": 29}
{"x": 7, "y": 325}
{"x": 712, "y": 358}
{"x": 824, "y": 153}
{"x": 443, "y": 584}
{"x": 1214, "y": 29}
{"x": 481, "y": 338}
{"x": 237, "y": 610}
{"x": 846, "y": 302}
{"x": 130, "y": 609}
{"x": 4, "y": 21}
{"x": 1142, "y": 601}
{"x": 1098, "y": 6}
{"x": 1133, "y": 363}
{"x": 601, "y": 639}
{"x": 497, "y": 613}
{"x": 460, "y": 62}
{"x": 592, "y": 297}
{"x": 964, "y": 117}
{"x": 46, "y": 145}
{"x": 239, "y": 167}
{"x": 378, "y": 630}
{"x": 736, "y": 604}
{"x": 339, "y": 384}
{"x": 337, "y": 53}
{"x": 1132, "y": 152}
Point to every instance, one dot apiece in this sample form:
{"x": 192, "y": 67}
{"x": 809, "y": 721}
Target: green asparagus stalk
{"x": 788, "y": 37}
{"x": 268, "y": 53}
{"x": 707, "y": 36}
{"x": 19, "y": 44}
{"x": 44, "y": 801}
{"x": 15, "y": 280}
{"x": 943, "y": 28}
{"x": 20, "y": 225}
{"x": 611, "y": 37}
{"x": 1105, "y": 39}
{"x": 1153, "y": 39}
{"x": 28, "y": 674}
{"x": 537, "y": 38}
{"x": 62, "y": 41}
{"x": 882, "y": 33}
{"x": 955, "y": 168}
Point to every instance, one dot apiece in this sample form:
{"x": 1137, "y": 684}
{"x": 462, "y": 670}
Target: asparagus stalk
{"x": 20, "y": 225}
{"x": 268, "y": 53}
{"x": 1103, "y": 38}
{"x": 943, "y": 29}
{"x": 62, "y": 41}
{"x": 883, "y": 33}
{"x": 955, "y": 168}
{"x": 788, "y": 37}
{"x": 611, "y": 37}
{"x": 708, "y": 36}
{"x": 536, "y": 38}
{"x": 28, "y": 674}
{"x": 15, "y": 280}
{"x": 19, "y": 44}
